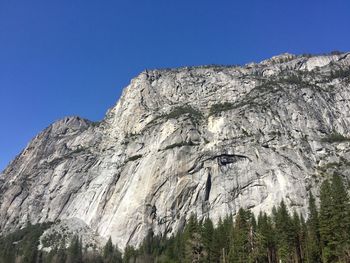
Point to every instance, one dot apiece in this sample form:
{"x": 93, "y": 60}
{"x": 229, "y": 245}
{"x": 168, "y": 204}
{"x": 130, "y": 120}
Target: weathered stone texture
{"x": 204, "y": 140}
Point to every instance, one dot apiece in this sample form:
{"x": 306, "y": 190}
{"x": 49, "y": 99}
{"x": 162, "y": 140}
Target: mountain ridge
{"x": 204, "y": 140}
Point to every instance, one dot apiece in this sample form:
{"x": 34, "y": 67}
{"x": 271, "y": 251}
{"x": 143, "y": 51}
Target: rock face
{"x": 204, "y": 140}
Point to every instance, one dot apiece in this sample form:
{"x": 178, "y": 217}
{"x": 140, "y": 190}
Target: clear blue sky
{"x": 68, "y": 57}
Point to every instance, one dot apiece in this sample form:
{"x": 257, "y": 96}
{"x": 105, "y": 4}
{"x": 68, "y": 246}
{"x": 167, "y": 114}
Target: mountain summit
{"x": 204, "y": 140}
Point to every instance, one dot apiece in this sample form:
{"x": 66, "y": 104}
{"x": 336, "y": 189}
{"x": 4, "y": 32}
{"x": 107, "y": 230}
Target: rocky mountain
{"x": 205, "y": 140}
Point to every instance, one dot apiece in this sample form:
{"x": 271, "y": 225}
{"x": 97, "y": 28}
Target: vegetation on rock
{"x": 335, "y": 137}
{"x": 281, "y": 237}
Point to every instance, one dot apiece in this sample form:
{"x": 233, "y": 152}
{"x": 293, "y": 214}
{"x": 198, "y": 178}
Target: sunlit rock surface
{"x": 205, "y": 140}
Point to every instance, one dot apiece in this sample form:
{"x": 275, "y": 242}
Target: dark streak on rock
{"x": 207, "y": 187}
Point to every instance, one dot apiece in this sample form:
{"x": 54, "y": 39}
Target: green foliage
{"x": 335, "y": 137}
{"x": 340, "y": 73}
{"x": 194, "y": 248}
{"x": 75, "y": 251}
{"x": 285, "y": 232}
{"x": 95, "y": 123}
{"x": 21, "y": 245}
{"x": 50, "y": 240}
{"x": 299, "y": 242}
{"x": 108, "y": 249}
{"x": 313, "y": 233}
{"x": 293, "y": 79}
{"x": 241, "y": 242}
{"x": 178, "y": 111}
{"x": 111, "y": 254}
{"x": 281, "y": 237}
{"x": 265, "y": 239}
{"x": 132, "y": 135}
{"x": 181, "y": 110}
{"x": 130, "y": 255}
{"x": 326, "y": 229}
{"x": 219, "y": 107}
{"x": 207, "y": 232}
{"x": 334, "y": 221}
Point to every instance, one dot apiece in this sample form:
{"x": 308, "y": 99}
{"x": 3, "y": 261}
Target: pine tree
{"x": 75, "y": 251}
{"x": 108, "y": 251}
{"x": 263, "y": 230}
{"x": 30, "y": 243}
{"x": 218, "y": 242}
{"x": 62, "y": 252}
{"x": 240, "y": 248}
{"x": 326, "y": 227}
{"x": 253, "y": 239}
{"x": 303, "y": 238}
{"x": 298, "y": 238}
{"x": 194, "y": 250}
{"x": 340, "y": 218}
{"x": 334, "y": 221}
{"x": 207, "y": 238}
{"x": 227, "y": 231}
{"x": 179, "y": 247}
{"x": 284, "y": 233}
{"x": 130, "y": 254}
{"x": 269, "y": 232}
{"x": 313, "y": 251}
{"x": 150, "y": 248}
{"x": 170, "y": 252}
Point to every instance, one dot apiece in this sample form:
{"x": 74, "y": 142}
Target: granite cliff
{"x": 205, "y": 140}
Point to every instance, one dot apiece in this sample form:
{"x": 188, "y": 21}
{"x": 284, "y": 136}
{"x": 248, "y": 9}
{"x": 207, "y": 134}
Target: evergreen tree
{"x": 262, "y": 233}
{"x": 253, "y": 239}
{"x": 61, "y": 254}
{"x": 130, "y": 255}
{"x": 340, "y": 218}
{"x": 303, "y": 238}
{"x": 30, "y": 243}
{"x": 280, "y": 238}
{"x": 92, "y": 257}
{"x": 218, "y": 246}
{"x": 265, "y": 236}
{"x": 194, "y": 250}
{"x": 207, "y": 238}
{"x": 171, "y": 250}
{"x": 222, "y": 238}
{"x": 227, "y": 231}
{"x": 284, "y": 233}
{"x": 151, "y": 247}
{"x": 299, "y": 244}
{"x": 110, "y": 254}
{"x": 108, "y": 249}
{"x": 178, "y": 249}
{"x": 326, "y": 227}
{"x": 75, "y": 251}
{"x": 240, "y": 248}
{"x": 334, "y": 221}
{"x": 313, "y": 252}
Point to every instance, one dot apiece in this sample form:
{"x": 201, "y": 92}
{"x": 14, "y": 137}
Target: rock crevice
{"x": 204, "y": 140}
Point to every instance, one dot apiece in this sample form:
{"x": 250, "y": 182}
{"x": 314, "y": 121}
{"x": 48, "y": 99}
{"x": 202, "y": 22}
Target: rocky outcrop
{"x": 204, "y": 140}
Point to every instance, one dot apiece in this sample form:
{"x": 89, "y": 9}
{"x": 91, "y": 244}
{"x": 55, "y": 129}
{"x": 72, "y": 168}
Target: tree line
{"x": 279, "y": 237}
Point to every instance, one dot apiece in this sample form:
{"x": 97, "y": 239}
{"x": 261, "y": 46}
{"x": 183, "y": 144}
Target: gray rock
{"x": 205, "y": 140}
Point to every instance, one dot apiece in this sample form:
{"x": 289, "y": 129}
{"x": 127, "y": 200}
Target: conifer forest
{"x": 323, "y": 235}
